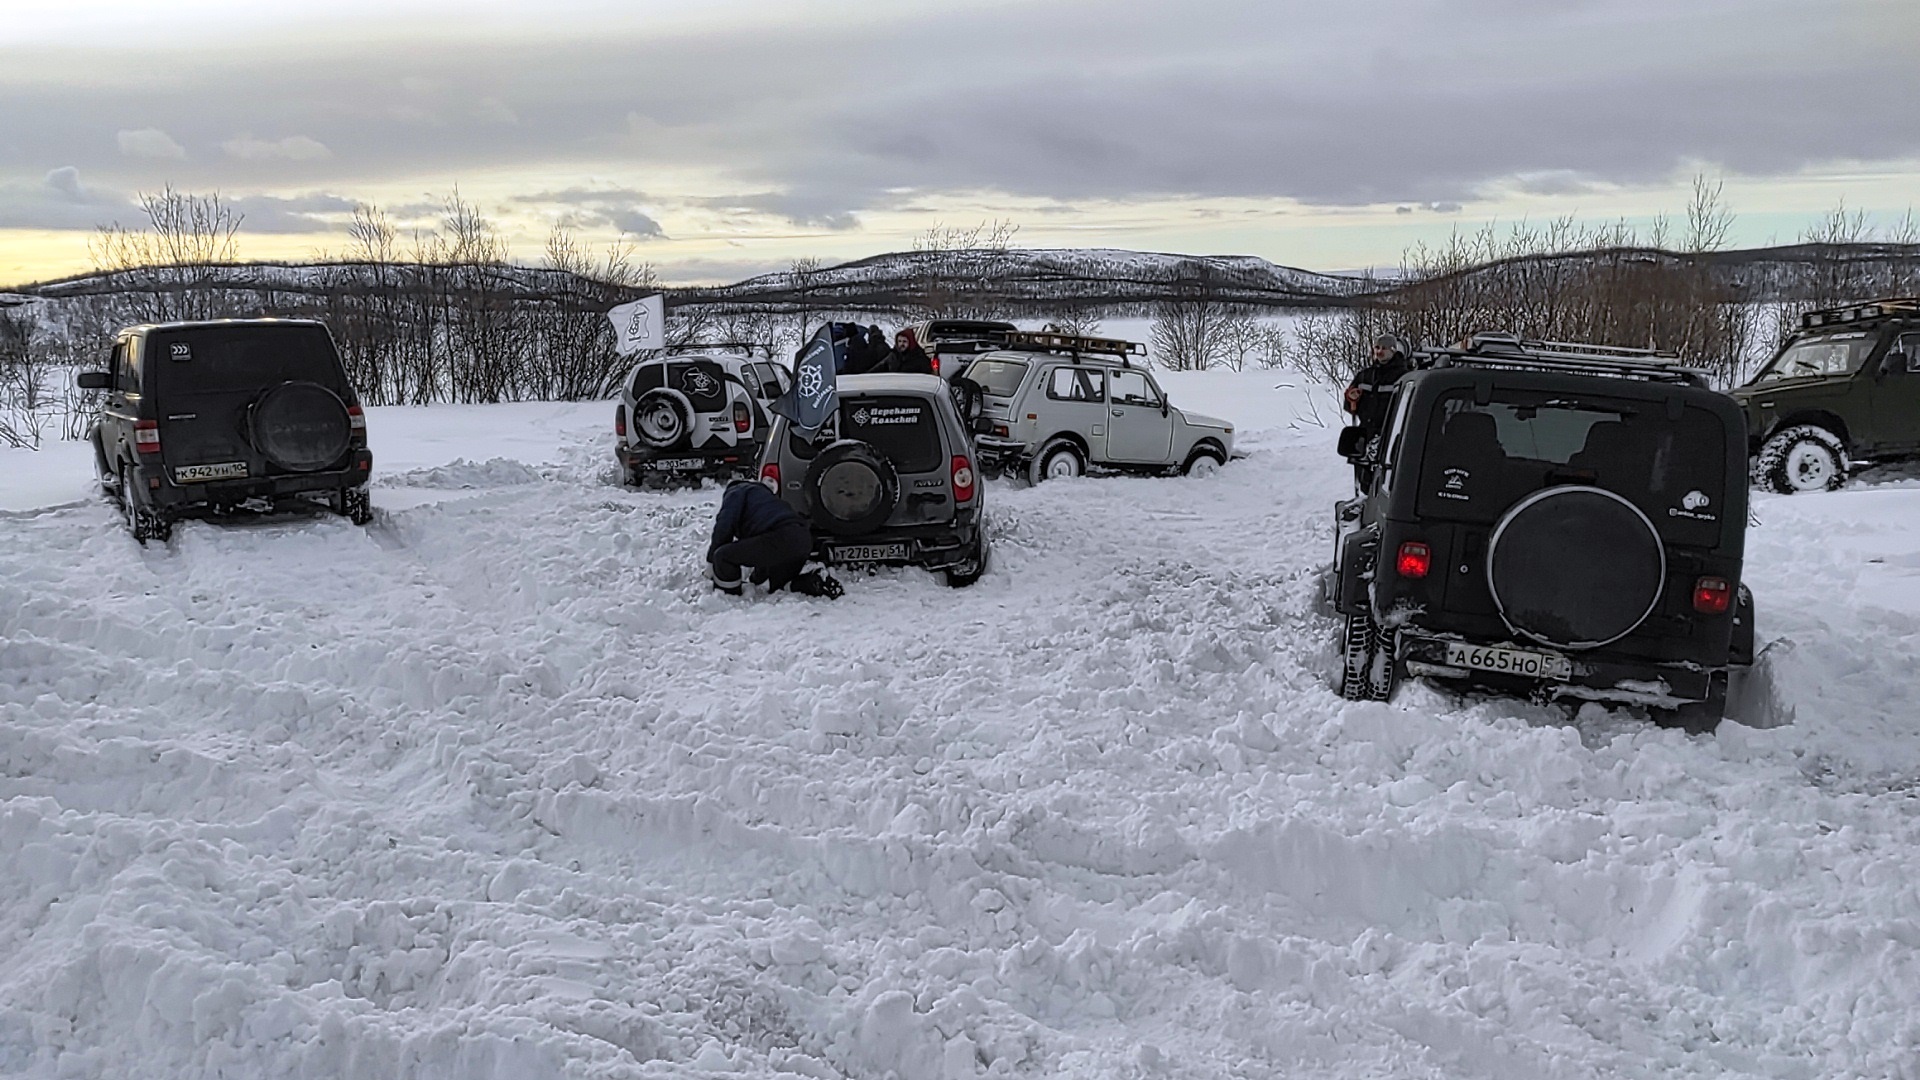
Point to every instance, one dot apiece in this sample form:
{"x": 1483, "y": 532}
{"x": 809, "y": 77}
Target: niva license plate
{"x": 1532, "y": 665}
{"x": 226, "y": 470}
{"x": 846, "y": 553}
{"x": 672, "y": 464}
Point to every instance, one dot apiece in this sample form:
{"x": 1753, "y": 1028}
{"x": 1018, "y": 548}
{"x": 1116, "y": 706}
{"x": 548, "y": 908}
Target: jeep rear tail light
{"x": 620, "y": 422}
{"x": 742, "y": 420}
{"x": 770, "y": 476}
{"x": 1712, "y": 596}
{"x": 146, "y": 436}
{"x": 1415, "y": 560}
{"x": 962, "y": 479}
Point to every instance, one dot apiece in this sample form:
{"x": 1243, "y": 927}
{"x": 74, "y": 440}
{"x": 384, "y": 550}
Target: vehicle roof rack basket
{"x": 1074, "y": 344}
{"x": 1873, "y": 309}
{"x": 1511, "y": 353}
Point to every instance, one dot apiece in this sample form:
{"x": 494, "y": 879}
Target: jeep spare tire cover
{"x": 663, "y": 418}
{"x": 1575, "y": 567}
{"x": 851, "y": 488}
{"x": 299, "y": 426}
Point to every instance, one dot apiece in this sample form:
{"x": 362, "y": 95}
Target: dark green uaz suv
{"x": 1844, "y": 391}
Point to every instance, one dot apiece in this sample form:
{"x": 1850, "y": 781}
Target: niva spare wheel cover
{"x": 300, "y": 426}
{"x": 851, "y": 488}
{"x": 1575, "y": 567}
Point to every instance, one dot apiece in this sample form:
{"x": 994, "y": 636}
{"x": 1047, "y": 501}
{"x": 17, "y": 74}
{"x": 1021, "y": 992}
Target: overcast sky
{"x": 727, "y": 137}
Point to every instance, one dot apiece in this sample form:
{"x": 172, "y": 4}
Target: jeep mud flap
{"x": 1754, "y": 692}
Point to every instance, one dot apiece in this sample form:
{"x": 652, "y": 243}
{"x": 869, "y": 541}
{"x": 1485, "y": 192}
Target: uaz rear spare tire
{"x": 851, "y": 488}
{"x": 1575, "y": 567}
{"x": 299, "y": 426}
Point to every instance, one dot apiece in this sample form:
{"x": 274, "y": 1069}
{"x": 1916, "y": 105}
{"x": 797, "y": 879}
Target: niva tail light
{"x": 770, "y": 476}
{"x": 962, "y": 479}
{"x": 1712, "y": 596}
{"x": 620, "y": 421}
{"x": 742, "y": 420}
{"x": 1415, "y": 560}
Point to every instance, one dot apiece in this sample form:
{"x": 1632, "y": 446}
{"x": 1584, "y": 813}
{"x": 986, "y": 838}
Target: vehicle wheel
{"x": 1700, "y": 717}
{"x": 966, "y": 573}
{"x": 663, "y": 418}
{"x": 143, "y": 520}
{"x": 966, "y": 398}
{"x": 1805, "y": 457}
{"x": 299, "y": 426}
{"x": 851, "y": 488}
{"x": 1365, "y": 674}
{"x": 354, "y": 504}
{"x": 1057, "y": 460}
{"x": 1205, "y": 461}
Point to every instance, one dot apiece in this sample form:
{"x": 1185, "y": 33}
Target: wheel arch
{"x": 1819, "y": 418}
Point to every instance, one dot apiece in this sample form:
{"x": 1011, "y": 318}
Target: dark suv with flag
{"x": 209, "y": 417}
{"x": 1562, "y": 521}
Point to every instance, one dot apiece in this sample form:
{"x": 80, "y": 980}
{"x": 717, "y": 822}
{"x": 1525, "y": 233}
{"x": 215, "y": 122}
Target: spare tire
{"x": 1575, "y": 567}
{"x": 299, "y": 426}
{"x": 966, "y": 398}
{"x": 851, "y": 488}
{"x": 663, "y": 418}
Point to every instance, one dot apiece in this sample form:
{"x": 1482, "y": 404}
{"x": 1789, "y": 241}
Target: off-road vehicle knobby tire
{"x": 143, "y": 521}
{"x": 968, "y": 572}
{"x": 966, "y": 399}
{"x": 1802, "y": 458}
{"x": 1057, "y": 459}
{"x": 1361, "y": 646}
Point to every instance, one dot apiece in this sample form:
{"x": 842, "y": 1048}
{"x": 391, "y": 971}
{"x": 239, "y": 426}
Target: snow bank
{"x": 498, "y": 788}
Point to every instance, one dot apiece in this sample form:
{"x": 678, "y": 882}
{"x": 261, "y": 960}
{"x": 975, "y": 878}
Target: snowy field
{"x": 497, "y": 788}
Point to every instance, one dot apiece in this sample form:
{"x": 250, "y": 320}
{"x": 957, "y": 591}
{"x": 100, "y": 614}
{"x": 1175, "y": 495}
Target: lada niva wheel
{"x": 1804, "y": 457}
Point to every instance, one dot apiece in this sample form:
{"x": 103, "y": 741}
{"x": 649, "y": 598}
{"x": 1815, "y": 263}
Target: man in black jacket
{"x": 1370, "y": 391}
{"x": 755, "y": 528}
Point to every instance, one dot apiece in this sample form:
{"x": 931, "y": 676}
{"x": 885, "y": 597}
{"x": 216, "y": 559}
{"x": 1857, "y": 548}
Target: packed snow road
{"x": 498, "y": 788}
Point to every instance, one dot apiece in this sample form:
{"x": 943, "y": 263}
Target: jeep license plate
{"x": 1533, "y": 665}
{"x": 676, "y": 464}
{"x": 849, "y": 553}
{"x": 226, "y": 470}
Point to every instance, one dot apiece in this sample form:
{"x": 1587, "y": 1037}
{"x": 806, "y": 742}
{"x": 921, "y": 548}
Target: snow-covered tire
{"x": 663, "y": 418}
{"x": 1057, "y": 460}
{"x": 1805, "y": 457}
{"x": 1367, "y": 663}
{"x": 966, "y": 398}
{"x": 963, "y": 574}
{"x": 1205, "y": 461}
{"x": 143, "y": 521}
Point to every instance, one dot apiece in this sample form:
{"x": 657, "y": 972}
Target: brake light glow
{"x": 1712, "y": 596}
{"x": 962, "y": 479}
{"x": 934, "y": 359}
{"x": 1415, "y": 560}
{"x": 620, "y": 422}
{"x": 770, "y": 476}
{"x": 741, "y": 419}
{"x": 146, "y": 436}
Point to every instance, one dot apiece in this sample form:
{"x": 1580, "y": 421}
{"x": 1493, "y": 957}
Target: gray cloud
{"x": 149, "y": 143}
{"x": 587, "y": 207}
{"x": 300, "y": 214}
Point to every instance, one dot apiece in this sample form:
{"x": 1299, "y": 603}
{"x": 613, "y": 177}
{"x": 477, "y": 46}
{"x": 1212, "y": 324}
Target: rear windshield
{"x": 1828, "y": 354}
{"x": 998, "y": 377}
{"x": 903, "y": 429}
{"x": 226, "y": 359}
{"x": 1481, "y": 459}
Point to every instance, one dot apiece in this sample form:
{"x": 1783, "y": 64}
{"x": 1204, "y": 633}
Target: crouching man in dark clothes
{"x": 755, "y": 528}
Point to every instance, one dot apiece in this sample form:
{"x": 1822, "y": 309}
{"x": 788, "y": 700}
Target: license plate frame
{"x": 899, "y": 551}
{"x": 1499, "y": 660}
{"x": 678, "y": 464}
{"x": 200, "y": 474}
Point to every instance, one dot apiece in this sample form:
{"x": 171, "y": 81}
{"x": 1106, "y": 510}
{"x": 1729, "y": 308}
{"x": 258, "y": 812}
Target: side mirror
{"x": 93, "y": 380}
{"x": 1353, "y": 443}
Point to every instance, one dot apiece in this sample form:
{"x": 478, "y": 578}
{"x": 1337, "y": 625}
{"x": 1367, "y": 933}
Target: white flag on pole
{"x": 640, "y": 324}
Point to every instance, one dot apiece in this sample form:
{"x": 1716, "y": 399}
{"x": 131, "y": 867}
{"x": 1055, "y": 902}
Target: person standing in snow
{"x": 755, "y": 528}
{"x": 1372, "y": 387}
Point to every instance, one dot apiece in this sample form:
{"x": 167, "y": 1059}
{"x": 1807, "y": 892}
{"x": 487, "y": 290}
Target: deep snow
{"x": 497, "y": 788}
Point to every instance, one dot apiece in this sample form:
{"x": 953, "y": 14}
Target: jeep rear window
{"x": 1480, "y": 459}
{"x": 1001, "y": 378}
{"x": 222, "y": 359}
{"x": 1828, "y": 354}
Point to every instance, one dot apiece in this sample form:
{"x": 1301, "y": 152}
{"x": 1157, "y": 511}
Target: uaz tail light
{"x": 357, "y": 424}
{"x": 1712, "y": 596}
{"x": 620, "y": 421}
{"x": 146, "y": 436}
{"x": 742, "y": 420}
{"x": 770, "y": 476}
{"x": 1415, "y": 560}
{"x": 962, "y": 479}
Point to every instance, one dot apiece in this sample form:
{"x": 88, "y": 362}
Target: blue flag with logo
{"x": 811, "y": 401}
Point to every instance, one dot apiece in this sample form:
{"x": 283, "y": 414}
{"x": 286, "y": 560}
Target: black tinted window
{"x": 903, "y": 429}
{"x": 240, "y": 358}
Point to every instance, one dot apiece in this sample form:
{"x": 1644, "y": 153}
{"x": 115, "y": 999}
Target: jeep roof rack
{"x": 1074, "y": 344}
{"x": 745, "y": 347}
{"x": 1895, "y": 305}
{"x": 1512, "y": 353}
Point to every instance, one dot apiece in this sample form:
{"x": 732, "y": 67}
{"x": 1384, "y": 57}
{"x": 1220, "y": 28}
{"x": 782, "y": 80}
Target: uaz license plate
{"x": 675, "y": 464}
{"x": 226, "y": 470}
{"x": 846, "y": 553}
{"x": 1533, "y": 665}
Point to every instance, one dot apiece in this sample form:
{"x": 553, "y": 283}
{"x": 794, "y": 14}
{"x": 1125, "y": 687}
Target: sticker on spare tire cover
{"x": 871, "y": 416}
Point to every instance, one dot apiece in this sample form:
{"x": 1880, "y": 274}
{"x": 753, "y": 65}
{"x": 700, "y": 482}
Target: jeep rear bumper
{"x": 1621, "y": 680}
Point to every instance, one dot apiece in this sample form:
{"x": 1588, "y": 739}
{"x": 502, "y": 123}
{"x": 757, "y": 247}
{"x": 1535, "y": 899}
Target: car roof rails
{"x": 1512, "y": 353}
{"x": 1874, "y": 309}
{"x": 1072, "y": 344}
{"x": 745, "y": 348}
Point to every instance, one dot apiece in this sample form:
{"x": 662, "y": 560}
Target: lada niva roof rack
{"x": 1075, "y": 344}
{"x": 1896, "y": 305}
{"x": 1511, "y": 353}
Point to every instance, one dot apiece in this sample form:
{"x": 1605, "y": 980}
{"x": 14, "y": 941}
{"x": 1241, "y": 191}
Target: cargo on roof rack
{"x": 1508, "y": 352}
{"x": 1048, "y": 341}
{"x": 1896, "y": 305}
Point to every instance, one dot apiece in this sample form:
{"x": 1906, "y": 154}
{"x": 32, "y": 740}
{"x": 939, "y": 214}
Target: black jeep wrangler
{"x": 1561, "y": 521}
{"x": 208, "y": 417}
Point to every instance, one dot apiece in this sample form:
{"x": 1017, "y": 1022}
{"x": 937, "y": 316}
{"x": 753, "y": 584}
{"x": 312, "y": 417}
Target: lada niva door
{"x": 1896, "y": 397}
{"x": 1139, "y": 427}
